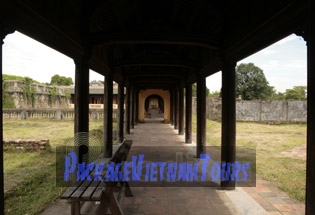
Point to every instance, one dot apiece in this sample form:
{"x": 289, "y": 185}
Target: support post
{"x": 176, "y": 112}
{"x": 188, "y": 135}
{"x": 310, "y": 138}
{"x": 81, "y": 104}
{"x": 181, "y": 111}
{"x": 132, "y": 100}
{"x": 108, "y": 116}
{"x": 171, "y": 109}
{"x": 201, "y": 116}
{"x": 136, "y": 106}
{"x": 228, "y": 120}
{"x": 120, "y": 115}
{"x": 128, "y": 109}
{"x": 2, "y": 35}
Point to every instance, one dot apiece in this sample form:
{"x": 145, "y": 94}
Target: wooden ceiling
{"x": 156, "y": 44}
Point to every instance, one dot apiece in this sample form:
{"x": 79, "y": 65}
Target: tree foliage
{"x": 251, "y": 83}
{"x": 61, "y": 80}
{"x": 194, "y": 91}
{"x": 297, "y": 93}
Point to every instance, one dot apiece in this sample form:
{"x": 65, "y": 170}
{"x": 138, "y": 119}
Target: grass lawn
{"x": 30, "y": 177}
{"x": 30, "y": 183}
{"x": 287, "y": 173}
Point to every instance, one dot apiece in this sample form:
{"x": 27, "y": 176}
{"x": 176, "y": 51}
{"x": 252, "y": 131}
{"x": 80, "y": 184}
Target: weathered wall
{"x": 29, "y": 144}
{"x": 57, "y": 114}
{"x": 269, "y": 111}
{"x": 43, "y": 98}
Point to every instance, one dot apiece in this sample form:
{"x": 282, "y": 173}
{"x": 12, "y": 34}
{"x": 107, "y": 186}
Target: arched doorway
{"x": 155, "y": 101}
{"x": 154, "y": 107}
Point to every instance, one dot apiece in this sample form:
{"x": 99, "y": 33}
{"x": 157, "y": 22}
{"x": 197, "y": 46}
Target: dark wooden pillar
{"x": 108, "y": 116}
{"x": 132, "y": 107}
{"x": 310, "y": 148}
{"x": 136, "y": 106}
{"x": 120, "y": 114}
{"x": 188, "y": 122}
{"x": 171, "y": 109}
{"x": 228, "y": 119}
{"x": 2, "y": 35}
{"x": 128, "y": 109}
{"x": 176, "y": 112}
{"x": 201, "y": 116}
{"x": 181, "y": 111}
{"x": 81, "y": 104}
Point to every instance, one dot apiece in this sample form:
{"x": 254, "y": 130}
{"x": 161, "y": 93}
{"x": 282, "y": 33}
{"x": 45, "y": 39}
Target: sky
{"x": 283, "y": 63}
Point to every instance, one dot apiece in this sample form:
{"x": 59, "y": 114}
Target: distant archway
{"x": 156, "y": 100}
{"x": 154, "y": 106}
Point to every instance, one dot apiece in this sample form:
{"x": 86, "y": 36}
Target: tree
{"x": 215, "y": 94}
{"x": 297, "y": 93}
{"x": 194, "y": 91}
{"x": 251, "y": 83}
{"x": 61, "y": 80}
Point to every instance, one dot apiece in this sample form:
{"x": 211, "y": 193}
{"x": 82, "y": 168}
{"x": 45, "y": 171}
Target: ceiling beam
{"x": 112, "y": 38}
{"x": 159, "y": 61}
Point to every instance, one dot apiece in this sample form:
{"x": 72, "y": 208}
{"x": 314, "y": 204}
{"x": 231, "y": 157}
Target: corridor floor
{"x": 156, "y": 141}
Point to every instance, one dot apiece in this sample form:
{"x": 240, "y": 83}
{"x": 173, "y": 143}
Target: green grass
{"x": 30, "y": 177}
{"x": 287, "y": 173}
{"x": 29, "y": 182}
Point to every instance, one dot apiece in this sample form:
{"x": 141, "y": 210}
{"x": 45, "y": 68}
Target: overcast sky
{"x": 284, "y": 63}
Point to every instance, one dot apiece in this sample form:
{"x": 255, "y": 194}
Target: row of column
{"x": 228, "y": 115}
{"x": 82, "y": 106}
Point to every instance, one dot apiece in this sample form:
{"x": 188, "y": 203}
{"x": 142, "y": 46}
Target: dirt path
{"x": 298, "y": 152}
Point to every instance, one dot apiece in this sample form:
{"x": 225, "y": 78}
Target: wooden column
{"x": 108, "y": 116}
{"x": 136, "y": 106}
{"x": 228, "y": 119}
{"x": 132, "y": 107}
{"x": 2, "y": 35}
{"x": 81, "y": 104}
{"x": 171, "y": 107}
{"x": 188, "y": 122}
{"x": 310, "y": 138}
{"x": 120, "y": 114}
{"x": 128, "y": 109}
{"x": 181, "y": 111}
{"x": 176, "y": 112}
{"x": 201, "y": 116}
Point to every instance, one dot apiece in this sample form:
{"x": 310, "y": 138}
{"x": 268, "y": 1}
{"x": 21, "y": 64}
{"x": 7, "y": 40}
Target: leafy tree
{"x": 61, "y": 80}
{"x": 251, "y": 83}
{"x": 194, "y": 91}
{"x": 297, "y": 93}
{"x": 278, "y": 96}
{"x": 215, "y": 94}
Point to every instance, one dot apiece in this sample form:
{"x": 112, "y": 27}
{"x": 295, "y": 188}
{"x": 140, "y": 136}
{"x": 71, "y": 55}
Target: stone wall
{"x": 57, "y": 114}
{"x": 43, "y": 96}
{"x": 29, "y": 144}
{"x": 268, "y": 111}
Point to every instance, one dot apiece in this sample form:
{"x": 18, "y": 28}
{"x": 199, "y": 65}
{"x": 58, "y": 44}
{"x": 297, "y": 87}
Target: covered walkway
{"x": 262, "y": 199}
{"x": 163, "y": 48}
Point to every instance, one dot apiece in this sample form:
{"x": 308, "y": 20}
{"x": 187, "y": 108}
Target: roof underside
{"x": 156, "y": 44}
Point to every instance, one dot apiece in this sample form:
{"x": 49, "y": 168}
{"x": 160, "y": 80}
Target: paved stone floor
{"x": 155, "y": 139}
